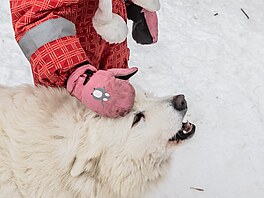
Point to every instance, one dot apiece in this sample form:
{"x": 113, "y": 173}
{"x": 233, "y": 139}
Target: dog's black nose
{"x": 179, "y": 102}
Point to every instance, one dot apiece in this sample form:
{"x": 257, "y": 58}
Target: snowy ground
{"x": 210, "y": 51}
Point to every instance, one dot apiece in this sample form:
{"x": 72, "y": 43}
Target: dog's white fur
{"x": 52, "y": 146}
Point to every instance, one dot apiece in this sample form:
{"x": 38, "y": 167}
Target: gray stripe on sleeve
{"x": 44, "y": 33}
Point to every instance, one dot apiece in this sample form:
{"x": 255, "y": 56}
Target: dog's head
{"x": 151, "y": 130}
{"x": 154, "y": 126}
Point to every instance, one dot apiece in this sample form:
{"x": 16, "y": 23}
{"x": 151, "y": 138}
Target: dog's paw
{"x": 113, "y": 31}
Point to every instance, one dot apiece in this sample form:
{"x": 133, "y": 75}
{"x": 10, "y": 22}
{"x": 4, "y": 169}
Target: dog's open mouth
{"x": 186, "y": 132}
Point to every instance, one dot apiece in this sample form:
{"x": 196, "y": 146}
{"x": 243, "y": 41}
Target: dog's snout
{"x": 179, "y": 102}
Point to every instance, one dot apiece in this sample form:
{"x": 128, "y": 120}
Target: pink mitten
{"x": 107, "y": 92}
{"x": 145, "y": 24}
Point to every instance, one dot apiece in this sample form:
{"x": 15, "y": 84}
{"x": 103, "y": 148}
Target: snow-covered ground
{"x": 210, "y": 51}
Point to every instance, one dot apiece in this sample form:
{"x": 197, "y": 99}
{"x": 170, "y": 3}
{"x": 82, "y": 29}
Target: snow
{"x": 210, "y": 51}
{"x": 14, "y": 68}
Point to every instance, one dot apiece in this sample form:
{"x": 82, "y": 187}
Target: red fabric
{"x": 54, "y": 62}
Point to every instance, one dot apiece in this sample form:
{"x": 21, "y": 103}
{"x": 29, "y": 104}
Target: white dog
{"x": 53, "y": 146}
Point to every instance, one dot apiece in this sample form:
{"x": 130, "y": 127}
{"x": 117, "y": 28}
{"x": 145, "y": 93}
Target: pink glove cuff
{"x": 76, "y": 80}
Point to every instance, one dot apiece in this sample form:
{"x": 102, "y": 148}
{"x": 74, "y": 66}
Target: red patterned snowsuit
{"x": 53, "y": 62}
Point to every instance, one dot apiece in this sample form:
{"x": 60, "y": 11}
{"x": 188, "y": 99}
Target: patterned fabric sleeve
{"x": 52, "y": 62}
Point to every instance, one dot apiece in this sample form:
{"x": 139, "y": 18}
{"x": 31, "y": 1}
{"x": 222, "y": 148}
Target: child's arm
{"x": 45, "y": 31}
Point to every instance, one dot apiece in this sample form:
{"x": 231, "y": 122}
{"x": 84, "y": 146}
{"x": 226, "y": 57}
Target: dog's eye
{"x": 137, "y": 118}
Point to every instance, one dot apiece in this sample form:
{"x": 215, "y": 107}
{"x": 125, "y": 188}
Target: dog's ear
{"x": 81, "y": 165}
{"x": 78, "y": 166}
{"x": 84, "y": 159}
{"x": 86, "y": 154}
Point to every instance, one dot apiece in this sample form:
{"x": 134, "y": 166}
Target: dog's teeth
{"x": 187, "y": 127}
{"x": 190, "y": 128}
{"x": 185, "y": 131}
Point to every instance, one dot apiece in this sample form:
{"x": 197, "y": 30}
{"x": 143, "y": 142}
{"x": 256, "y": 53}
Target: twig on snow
{"x": 244, "y": 13}
{"x": 199, "y": 189}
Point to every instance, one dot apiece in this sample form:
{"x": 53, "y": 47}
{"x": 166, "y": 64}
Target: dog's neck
{"x": 113, "y": 173}
{"x": 123, "y": 176}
